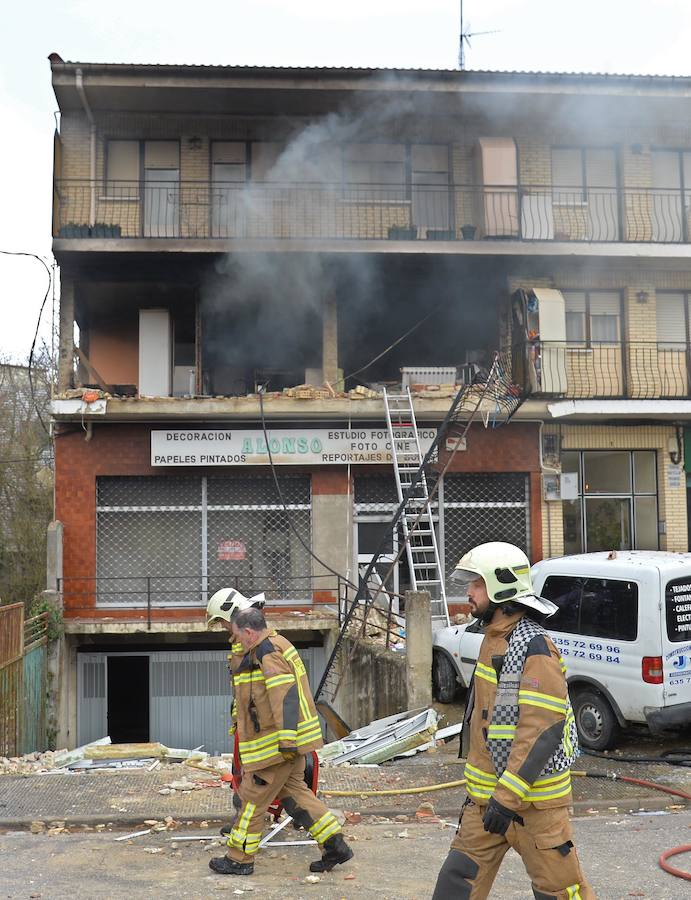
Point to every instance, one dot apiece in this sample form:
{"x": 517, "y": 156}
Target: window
{"x": 578, "y": 171}
{"x": 671, "y": 194}
{"x": 597, "y": 607}
{"x": 593, "y": 316}
{"x": 381, "y": 168}
{"x": 616, "y": 508}
{"x": 678, "y": 609}
{"x": 122, "y": 161}
{"x": 429, "y": 165}
{"x": 265, "y": 161}
{"x": 672, "y": 315}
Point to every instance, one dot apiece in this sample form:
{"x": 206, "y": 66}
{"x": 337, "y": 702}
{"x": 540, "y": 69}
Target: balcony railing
{"x": 227, "y": 210}
{"x": 606, "y": 369}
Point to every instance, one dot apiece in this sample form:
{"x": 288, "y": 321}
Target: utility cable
{"x": 38, "y": 325}
{"x": 281, "y": 498}
{"x": 395, "y": 343}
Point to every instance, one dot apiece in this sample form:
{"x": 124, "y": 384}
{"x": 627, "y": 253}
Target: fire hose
{"x": 612, "y": 776}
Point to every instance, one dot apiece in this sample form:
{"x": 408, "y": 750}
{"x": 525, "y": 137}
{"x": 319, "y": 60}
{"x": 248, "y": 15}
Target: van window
{"x": 678, "y": 609}
{"x": 597, "y": 607}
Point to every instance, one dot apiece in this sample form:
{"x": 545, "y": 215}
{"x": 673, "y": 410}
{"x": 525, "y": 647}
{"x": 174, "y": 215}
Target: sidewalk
{"x": 123, "y": 798}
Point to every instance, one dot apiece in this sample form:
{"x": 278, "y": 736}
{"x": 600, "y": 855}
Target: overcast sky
{"x": 629, "y": 36}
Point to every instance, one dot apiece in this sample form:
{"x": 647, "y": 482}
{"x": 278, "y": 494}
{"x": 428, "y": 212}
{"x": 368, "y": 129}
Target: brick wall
{"x": 125, "y": 450}
{"x": 671, "y": 500}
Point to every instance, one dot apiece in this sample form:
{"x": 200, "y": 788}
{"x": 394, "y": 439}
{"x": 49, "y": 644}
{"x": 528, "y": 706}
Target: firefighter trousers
{"x": 258, "y": 790}
{"x": 544, "y": 843}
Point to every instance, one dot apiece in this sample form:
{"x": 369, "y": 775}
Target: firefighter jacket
{"x": 524, "y": 758}
{"x": 274, "y": 706}
{"x": 234, "y": 660}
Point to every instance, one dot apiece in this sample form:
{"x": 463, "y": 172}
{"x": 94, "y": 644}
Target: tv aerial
{"x": 466, "y": 33}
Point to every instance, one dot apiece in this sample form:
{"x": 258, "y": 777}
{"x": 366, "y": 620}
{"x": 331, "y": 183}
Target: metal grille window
{"x": 479, "y": 508}
{"x": 175, "y": 540}
{"x": 471, "y": 509}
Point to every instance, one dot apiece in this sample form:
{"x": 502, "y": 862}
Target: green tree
{"x": 26, "y": 478}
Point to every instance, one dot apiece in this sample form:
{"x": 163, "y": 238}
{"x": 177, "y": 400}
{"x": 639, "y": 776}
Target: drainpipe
{"x": 79, "y": 84}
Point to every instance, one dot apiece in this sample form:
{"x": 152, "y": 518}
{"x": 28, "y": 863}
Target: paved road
{"x": 619, "y": 853}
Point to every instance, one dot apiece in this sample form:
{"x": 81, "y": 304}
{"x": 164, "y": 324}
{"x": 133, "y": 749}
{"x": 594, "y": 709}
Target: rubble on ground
{"x": 383, "y": 739}
{"x": 98, "y": 755}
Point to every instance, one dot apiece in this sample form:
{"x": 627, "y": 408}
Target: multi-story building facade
{"x": 226, "y": 230}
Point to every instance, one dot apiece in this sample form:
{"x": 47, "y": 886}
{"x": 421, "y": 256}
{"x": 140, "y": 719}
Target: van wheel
{"x": 597, "y": 726}
{"x": 444, "y": 682}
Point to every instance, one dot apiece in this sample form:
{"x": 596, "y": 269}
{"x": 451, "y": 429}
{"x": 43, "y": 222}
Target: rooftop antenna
{"x": 464, "y": 38}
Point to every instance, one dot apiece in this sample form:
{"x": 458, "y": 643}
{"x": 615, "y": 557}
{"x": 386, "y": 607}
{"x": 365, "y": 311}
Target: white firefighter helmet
{"x": 227, "y": 601}
{"x": 505, "y": 570}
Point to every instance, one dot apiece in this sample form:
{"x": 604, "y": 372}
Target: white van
{"x": 624, "y": 631}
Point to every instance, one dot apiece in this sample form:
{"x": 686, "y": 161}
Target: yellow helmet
{"x": 227, "y": 601}
{"x": 505, "y": 570}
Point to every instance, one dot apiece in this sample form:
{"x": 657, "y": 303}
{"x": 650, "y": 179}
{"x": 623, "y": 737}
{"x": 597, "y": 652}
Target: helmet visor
{"x": 464, "y": 576}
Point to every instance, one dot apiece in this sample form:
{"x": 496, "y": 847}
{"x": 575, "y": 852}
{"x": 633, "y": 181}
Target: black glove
{"x": 497, "y": 818}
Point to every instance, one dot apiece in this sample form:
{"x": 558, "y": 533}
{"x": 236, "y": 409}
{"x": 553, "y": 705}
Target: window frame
{"x": 581, "y": 582}
{"x": 630, "y": 495}
{"x": 584, "y": 188}
{"x": 588, "y": 341}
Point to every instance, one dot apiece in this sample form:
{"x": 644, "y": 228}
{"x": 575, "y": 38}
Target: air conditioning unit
{"x": 428, "y": 375}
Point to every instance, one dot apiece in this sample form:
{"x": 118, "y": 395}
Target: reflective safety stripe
{"x": 573, "y": 892}
{"x": 562, "y": 664}
{"x": 236, "y": 648}
{"x": 324, "y": 828}
{"x": 306, "y": 737}
{"x": 247, "y": 677}
{"x": 276, "y": 680}
{"x": 544, "y": 701}
{"x": 287, "y": 736}
{"x": 260, "y": 742}
{"x": 293, "y": 657}
{"x": 506, "y": 732}
{"x": 480, "y": 785}
{"x": 239, "y": 832}
{"x": 478, "y": 775}
{"x": 252, "y": 842}
{"x": 515, "y": 784}
{"x": 550, "y": 788}
{"x": 568, "y": 743}
{"x": 486, "y": 673}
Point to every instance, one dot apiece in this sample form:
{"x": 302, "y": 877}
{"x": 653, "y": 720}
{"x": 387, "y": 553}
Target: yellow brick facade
{"x": 671, "y": 499}
{"x": 534, "y": 142}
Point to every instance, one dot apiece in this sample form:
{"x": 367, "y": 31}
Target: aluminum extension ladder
{"x": 417, "y": 521}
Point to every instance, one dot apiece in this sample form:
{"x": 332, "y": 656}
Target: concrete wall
{"x": 374, "y": 685}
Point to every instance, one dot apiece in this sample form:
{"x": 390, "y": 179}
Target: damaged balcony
{"x": 93, "y": 212}
{"x": 293, "y": 327}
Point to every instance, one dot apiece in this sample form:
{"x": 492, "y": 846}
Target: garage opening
{"x": 128, "y": 699}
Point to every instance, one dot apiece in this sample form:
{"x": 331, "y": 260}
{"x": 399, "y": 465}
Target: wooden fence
{"x": 23, "y": 680}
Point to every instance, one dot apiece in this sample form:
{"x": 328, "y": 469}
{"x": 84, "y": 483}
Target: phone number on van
{"x": 608, "y": 653}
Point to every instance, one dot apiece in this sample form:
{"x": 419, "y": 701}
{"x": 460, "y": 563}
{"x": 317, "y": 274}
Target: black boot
{"x": 335, "y": 852}
{"x": 225, "y": 866}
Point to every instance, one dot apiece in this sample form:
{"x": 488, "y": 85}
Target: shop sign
{"x": 288, "y": 447}
{"x": 231, "y": 550}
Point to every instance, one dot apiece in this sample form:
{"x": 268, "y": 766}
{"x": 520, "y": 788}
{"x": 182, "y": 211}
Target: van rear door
{"x": 676, "y": 638}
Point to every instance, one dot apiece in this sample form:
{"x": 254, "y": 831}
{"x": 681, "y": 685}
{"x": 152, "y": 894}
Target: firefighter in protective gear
{"x": 220, "y": 608}
{"x": 519, "y": 739}
{"x": 277, "y": 726}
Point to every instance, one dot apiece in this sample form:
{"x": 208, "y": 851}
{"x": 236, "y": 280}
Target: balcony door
{"x": 161, "y": 216}
{"x": 228, "y": 176}
{"x": 671, "y": 195}
{"x": 585, "y": 197}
